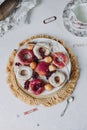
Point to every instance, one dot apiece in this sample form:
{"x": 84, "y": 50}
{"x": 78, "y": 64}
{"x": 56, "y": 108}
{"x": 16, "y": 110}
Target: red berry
{"x": 26, "y": 85}
{"x": 42, "y": 52}
{"x": 17, "y": 64}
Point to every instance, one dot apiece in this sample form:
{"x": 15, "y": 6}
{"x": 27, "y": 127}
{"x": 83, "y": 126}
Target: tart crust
{"x": 53, "y": 98}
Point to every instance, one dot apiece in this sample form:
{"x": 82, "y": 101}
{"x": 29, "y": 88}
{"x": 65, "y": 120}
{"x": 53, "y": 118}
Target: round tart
{"x": 42, "y": 71}
{"x": 53, "y": 64}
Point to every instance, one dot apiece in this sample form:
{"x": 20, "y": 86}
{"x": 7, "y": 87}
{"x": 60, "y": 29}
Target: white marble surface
{"x": 48, "y": 118}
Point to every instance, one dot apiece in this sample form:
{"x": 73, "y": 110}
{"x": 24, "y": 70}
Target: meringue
{"x": 57, "y": 79}
{"x": 46, "y": 48}
{"x": 24, "y": 73}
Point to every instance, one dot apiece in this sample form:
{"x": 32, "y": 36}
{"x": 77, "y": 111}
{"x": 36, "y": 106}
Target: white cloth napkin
{"x": 18, "y": 16}
{"x": 1, "y": 1}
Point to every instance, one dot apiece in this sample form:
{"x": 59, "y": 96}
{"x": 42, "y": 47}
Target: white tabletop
{"x": 47, "y": 118}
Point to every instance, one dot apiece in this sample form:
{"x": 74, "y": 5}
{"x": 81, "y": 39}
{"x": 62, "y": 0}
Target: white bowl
{"x": 75, "y": 17}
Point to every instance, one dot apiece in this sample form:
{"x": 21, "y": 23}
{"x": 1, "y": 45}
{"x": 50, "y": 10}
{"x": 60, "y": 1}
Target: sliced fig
{"x": 60, "y": 60}
{"x": 25, "y": 56}
{"x": 36, "y": 86}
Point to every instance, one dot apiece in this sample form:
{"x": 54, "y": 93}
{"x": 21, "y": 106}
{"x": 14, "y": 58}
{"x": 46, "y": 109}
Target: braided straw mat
{"x": 52, "y": 99}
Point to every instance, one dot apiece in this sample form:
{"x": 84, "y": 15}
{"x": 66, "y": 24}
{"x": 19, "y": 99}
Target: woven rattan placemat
{"x": 52, "y": 99}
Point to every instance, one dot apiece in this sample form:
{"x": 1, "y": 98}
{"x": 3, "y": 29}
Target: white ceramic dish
{"x": 55, "y": 47}
{"x": 75, "y": 17}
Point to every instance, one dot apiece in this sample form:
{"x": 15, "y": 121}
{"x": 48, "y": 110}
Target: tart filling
{"x": 41, "y": 67}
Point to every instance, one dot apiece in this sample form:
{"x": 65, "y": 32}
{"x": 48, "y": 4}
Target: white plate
{"x": 56, "y": 47}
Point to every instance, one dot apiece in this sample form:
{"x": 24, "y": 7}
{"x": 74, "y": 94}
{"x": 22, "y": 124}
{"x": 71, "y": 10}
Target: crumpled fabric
{"x": 19, "y": 16}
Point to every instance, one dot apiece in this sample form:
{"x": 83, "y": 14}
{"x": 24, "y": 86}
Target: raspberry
{"x": 17, "y": 64}
{"x": 26, "y": 85}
